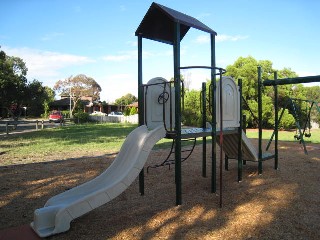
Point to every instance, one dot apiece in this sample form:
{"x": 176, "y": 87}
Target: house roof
{"x": 65, "y": 102}
{"x": 134, "y": 104}
{"x": 61, "y": 102}
{"x": 158, "y": 24}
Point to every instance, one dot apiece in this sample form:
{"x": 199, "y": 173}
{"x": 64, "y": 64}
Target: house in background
{"x": 90, "y": 106}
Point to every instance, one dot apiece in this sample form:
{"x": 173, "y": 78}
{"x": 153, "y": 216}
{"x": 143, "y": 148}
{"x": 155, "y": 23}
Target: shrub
{"x": 81, "y": 117}
{"x": 287, "y": 121}
{"x": 66, "y": 113}
{"x": 133, "y": 111}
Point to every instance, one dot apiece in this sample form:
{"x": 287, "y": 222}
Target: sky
{"x": 58, "y": 39}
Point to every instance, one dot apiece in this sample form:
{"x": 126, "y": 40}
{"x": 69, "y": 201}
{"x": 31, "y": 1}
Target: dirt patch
{"x": 279, "y": 204}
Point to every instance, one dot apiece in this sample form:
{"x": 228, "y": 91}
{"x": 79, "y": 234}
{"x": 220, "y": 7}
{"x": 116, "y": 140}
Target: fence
{"x": 22, "y": 126}
{"x": 115, "y": 119}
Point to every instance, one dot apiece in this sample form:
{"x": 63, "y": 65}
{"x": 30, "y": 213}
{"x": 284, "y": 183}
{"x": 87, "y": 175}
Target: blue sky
{"x": 59, "y": 38}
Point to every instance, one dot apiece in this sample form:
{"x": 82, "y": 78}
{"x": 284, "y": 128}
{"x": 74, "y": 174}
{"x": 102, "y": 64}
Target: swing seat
{"x": 307, "y": 135}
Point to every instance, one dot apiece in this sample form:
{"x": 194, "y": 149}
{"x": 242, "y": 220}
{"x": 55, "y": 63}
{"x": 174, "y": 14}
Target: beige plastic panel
{"x": 154, "y": 109}
{"x": 230, "y": 101}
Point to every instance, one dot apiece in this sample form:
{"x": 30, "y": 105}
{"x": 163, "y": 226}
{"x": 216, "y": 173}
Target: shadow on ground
{"x": 282, "y": 204}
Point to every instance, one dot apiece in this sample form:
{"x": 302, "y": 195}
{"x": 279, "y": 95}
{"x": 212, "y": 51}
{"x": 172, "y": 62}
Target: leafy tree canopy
{"x": 245, "y": 68}
{"x": 37, "y": 98}
{"x": 13, "y": 81}
{"x": 126, "y": 99}
{"x": 16, "y": 92}
{"x": 77, "y": 87}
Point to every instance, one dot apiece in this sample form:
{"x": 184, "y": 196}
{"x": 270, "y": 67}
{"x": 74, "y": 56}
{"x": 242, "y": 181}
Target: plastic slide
{"x": 60, "y": 210}
{"x": 230, "y": 147}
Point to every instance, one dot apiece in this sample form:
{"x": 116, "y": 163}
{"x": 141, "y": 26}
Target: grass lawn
{"x": 80, "y": 140}
{"x": 285, "y": 135}
{"x": 89, "y": 140}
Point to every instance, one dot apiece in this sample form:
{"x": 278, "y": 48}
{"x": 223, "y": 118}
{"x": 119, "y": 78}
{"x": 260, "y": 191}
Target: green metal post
{"x": 177, "y": 85}
{"x": 140, "y": 89}
{"x": 226, "y": 162}
{"x": 214, "y": 115}
{"x": 221, "y": 136}
{"x": 260, "y": 120}
{"x": 240, "y": 134}
{"x": 298, "y": 126}
{"x": 276, "y": 122}
{"x": 140, "y": 106}
{"x": 273, "y": 134}
{"x": 204, "y": 139}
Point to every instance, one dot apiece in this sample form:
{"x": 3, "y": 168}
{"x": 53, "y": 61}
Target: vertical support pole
{"x": 37, "y": 122}
{"x": 240, "y": 134}
{"x": 221, "y": 135}
{"x": 204, "y": 139}
{"x": 276, "y": 120}
{"x": 140, "y": 89}
{"x": 214, "y": 116}
{"x": 140, "y": 106}
{"x": 260, "y": 120}
{"x": 42, "y": 124}
{"x": 7, "y": 128}
{"x": 226, "y": 163}
{"x": 177, "y": 86}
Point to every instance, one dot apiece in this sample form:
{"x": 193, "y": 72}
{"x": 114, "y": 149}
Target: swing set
{"x": 303, "y": 125}
{"x": 306, "y": 123}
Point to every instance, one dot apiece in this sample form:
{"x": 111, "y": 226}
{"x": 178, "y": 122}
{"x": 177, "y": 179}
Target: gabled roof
{"x": 158, "y": 24}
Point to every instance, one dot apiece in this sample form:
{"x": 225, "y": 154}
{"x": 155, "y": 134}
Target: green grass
{"x": 84, "y": 138}
{"x": 89, "y": 138}
{"x": 286, "y": 135}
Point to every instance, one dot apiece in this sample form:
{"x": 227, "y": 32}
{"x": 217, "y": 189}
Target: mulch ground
{"x": 279, "y": 204}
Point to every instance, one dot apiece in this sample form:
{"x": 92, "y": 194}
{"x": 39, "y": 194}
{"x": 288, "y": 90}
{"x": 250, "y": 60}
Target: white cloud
{"x": 50, "y": 36}
{"x": 126, "y": 56}
{"x": 203, "y": 39}
{"x": 224, "y": 38}
{"x": 116, "y": 85}
{"x": 44, "y": 65}
{"x": 122, "y": 56}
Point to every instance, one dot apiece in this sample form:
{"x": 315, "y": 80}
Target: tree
{"x": 50, "y": 98}
{"x": 313, "y": 94}
{"x": 126, "y": 100}
{"x": 191, "y": 111}
{"x": 246, "y": 69}
{"x": 78, "y": 87}
{"x": 37, "y": 98}
{"x": 13, "y": 81}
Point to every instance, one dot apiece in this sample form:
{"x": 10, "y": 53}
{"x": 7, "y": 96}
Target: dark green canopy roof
{"x": 158, "y": 24}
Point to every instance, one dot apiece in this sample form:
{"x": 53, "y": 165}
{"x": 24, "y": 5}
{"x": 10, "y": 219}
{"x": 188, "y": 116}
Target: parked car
{"x": 116, "y": 114}
{"x": 56, "y": 116}
{"x": 98, "y": 113}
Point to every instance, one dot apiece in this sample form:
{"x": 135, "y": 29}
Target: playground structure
{"x": 159, "y": 117}
{"x": 168, "y": 26}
